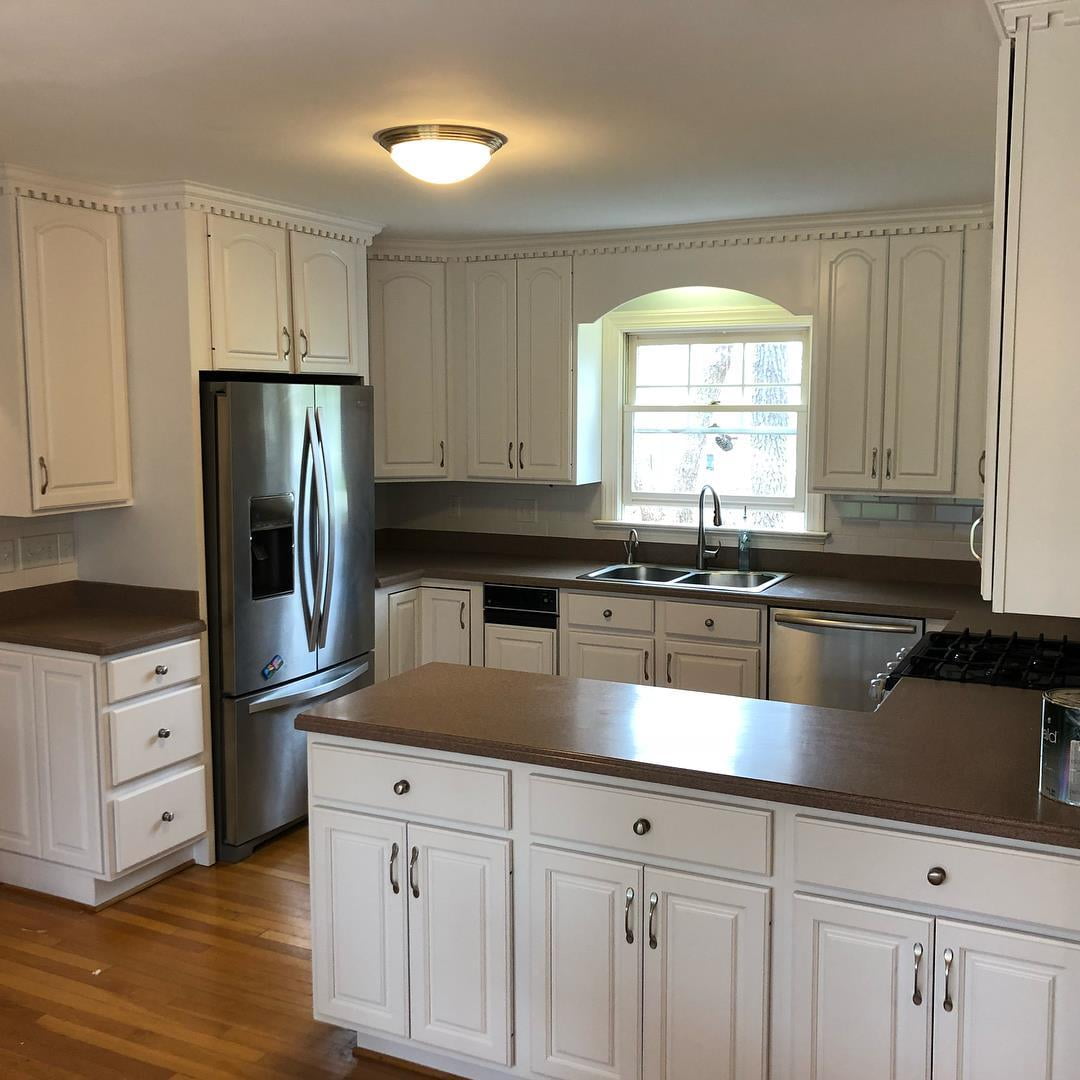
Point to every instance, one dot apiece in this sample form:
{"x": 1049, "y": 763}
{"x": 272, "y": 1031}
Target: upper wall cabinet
{"x": 65, "y": 440}
{"x": 888, "y": 364}
{"x": 259, "y": 323}
{"x": 408, "y": 369}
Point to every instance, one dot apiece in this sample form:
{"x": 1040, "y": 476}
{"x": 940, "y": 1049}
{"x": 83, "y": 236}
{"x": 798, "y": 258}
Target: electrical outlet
{"x": 37, "y": 551}
{"x": 65, "y": 543}
{"x": 7, "y": 556}
{"x": 526, "y": 511}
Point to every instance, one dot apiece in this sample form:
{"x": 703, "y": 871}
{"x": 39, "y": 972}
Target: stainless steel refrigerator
{"x": 289, "y": 501}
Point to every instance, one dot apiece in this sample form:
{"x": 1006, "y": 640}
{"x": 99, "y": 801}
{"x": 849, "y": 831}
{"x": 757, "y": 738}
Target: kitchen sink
{"x": 710, "y": 580}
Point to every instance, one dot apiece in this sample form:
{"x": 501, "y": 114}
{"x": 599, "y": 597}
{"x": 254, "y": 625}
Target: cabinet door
{"x": 611, "y": 658}
{"x": 69, "y": 787}
{"x": 544, "y": 361}
{"x": 18, "y": 756}
{"x": 445, "y": 626}
{"x": 860, "y": 1004}
{"x": 922, "y": 362}
{"x": 706, "y": 964}
{"x": 359, "y": 951}
{"x": 1015, "y": 999}
{"x": 403, "y": 626}
{"x": 459, "y": 942}
{"x": 520, "y": 648}
{"x": 76, "y": 373}
{"x": 408, "y": 368}
{"x": 327, "y": 292}
{"x": 249, "y": 296}
{"x": 585, "y": 935}
{"x": 849, "y": 374}
{"x": 714, "y": 669}
{"x": 491, "y": 366}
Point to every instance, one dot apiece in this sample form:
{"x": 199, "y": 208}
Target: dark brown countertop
{"x": 939, "y": 754}
{"x": 97, "y": 618}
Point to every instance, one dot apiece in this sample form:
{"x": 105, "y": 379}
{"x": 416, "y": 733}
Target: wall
{"x": 46, "y": 542}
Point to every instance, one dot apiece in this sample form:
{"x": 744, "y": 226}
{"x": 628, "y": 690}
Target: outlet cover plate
{"x": 35, "y": 551}
{"x": 7, "y": 556}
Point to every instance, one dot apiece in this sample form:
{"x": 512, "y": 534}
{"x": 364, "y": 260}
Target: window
{"x": 722, "y": 407}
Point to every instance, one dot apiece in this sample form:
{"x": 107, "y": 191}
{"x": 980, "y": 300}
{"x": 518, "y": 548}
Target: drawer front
{"x": 728, "y": 837}
{"x": 1004, "y": 882}
{"x": 610, "y": 612}
{"x": 469, "y": 794}
{"x": 713, "y": 622}
{"x": 139, "y": 829}
{"x": 155, "y": 669}
{"x": 155, "y": 732}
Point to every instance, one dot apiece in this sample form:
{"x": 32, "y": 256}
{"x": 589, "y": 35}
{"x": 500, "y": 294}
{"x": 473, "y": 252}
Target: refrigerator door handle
{"x": 319, "y": 507}
{"x": 303, "y": 533}
{"x": 280, "y": 699}
{"x": 331, "y": 542}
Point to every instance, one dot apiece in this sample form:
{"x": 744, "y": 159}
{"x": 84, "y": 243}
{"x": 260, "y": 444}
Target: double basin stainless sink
{"x": 740, "y": 581}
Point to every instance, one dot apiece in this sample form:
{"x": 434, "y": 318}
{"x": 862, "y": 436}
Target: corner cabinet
{"x": 66, "y": 442}
{"x": 426, "y": 625}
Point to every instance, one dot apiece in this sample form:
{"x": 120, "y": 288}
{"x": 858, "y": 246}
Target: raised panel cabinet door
{"x": 329, "y": 327}
{"x": 849, "y": 373}
{"x": 445, "y": 630}
{"x": 69, "y": 794}
{"x": 491, "y": 368}
{"x": 611, "y": 658}
{"x": 359, "y": 948}
{"x": 861, "y": 1004}
{"x": 706, "y": 965}
{"x": 713, "y": 669}
{"x": 922, "y": 362}
{"x": 1014, "y": 1002}
{"x": 76, "y": 361}
{"x": 18, "y": 756}
{"x": 459, "y": 942}
{"x": 249, "y": 296}
{"x": 403, "y": 631}
{"x": 520, "y": 648}
{"x": 585, "y": 945}
{"x": 544, "y": 368}
{"x": 408, "y": 369}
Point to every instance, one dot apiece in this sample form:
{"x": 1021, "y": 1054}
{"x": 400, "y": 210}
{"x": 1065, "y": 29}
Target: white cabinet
{"x": 408, "y": 369}
{"x": 66, "y": 439}
{"x": 520, "y": 648}
{"x": 18, "y": 761}
{"x": 446, "y": 626}
{"x": 714, "y": 669}
{"x": 628, "y": 659}
{"x": 403, "y": 637}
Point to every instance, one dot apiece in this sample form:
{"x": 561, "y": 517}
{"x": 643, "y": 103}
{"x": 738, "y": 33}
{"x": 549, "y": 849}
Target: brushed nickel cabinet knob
{"x": 642, "y": 826}
{"x": 167, "y": 816}
{"x": 710, "y": 623}
{"x": 402, "y": 787}
{"x": 936, "y": 876}
{"x": 161, "y": 669}
{"x": 163, "y": 733}
{"x": 607, "y": 613}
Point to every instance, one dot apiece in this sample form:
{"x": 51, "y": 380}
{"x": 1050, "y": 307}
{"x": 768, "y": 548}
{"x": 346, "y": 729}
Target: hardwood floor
{"x": 204, "y": 975}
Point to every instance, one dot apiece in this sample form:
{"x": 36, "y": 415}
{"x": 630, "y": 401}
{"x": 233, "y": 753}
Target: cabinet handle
{"x": 710, "y": 623}
{"x": 642, "y": 826}
{"x": 947, "y": 1004}
{"x": 971, "y": 537}
{"x": 402, "y": 787}
{"x": 167, "y": 816}
{"x": 888, "y": 464}
{"x": 163, "y": 733}
{"x": 646, "y": 665}
{"x": 607, "y": 613}
{"x": 288, "y": 342}
{"x": 873, "y": 464}
{"x": 394, "y": 884}
{"x": 982, "y": 467}
{"x": 626, "y": 916}
{"x": 461, "y": 615}
{"x": 521, "y": 455}
{"x": 303, "y": 344}
{"x": 161, "y": 669}
{"x": 510, "y": 455}
{"x": 669, "y": 667}
{"x": 414, "y": 875}
{"x": 44, "y": 475}
{"x": 936, "y": 875}
{"x": 916, "y": 997}
{"x": 653, "y": 901}
{"x": 442, "y": 453}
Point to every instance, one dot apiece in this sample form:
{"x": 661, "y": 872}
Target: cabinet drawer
{"x": 610, "y": 612}
{"x": 1026, "y": 886}
{"x": 139, "y": 829}
{"x": 470, "y": 794}
{"x": 139, "y": 673}
{"x": 729, "y": 837}
{"x": 719, "y": 622}
{"x": 155, "y": 732}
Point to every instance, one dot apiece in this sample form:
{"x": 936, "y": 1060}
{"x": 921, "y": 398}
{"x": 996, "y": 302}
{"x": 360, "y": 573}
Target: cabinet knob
{"x": 642, "y": 826}
{"x": 607, "y": 613}
{"x": 936, "y": 875}
{"x": 402, "y": 787}
{"x": 167, "y": 816}
{"x": 710, "y": 623}
{"x": 163, "y": 733}
{"x": 161, "y": 669}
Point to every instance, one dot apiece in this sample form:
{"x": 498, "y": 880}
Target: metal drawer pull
{"x": 888, "y": 464}
{"x": 461, "y": 615}
{"x": 947, "y": 1004}
{"x": 167, "y": 816}
{"x": 442, "y": 453}
{"x": 669, "y": 667}
{"x": 982, "y": 466}
{"x": 916, "y": 997}
{"x": 303, "y": 343}
{"x": 971, "y": 537}
{"x": 936, "y": 875}
{"x": 402, "y": 787}
{"x": 642, "y": 826}
{"x": 521, "y": 456}
{"x": 161, "y": 669}
{"x": 510, "y": 455}
{"x": 44, "y": 475}
{"x": 646, "y": 665}
{"x": 394, "y": 884}
{"x": 626, "y": 916}
{"x": 163, "y": 733}
{"x": 607, "y": 613}
{"x": 873, "y": 465}
{"x": 710, "y": 623}
{"x": 845, "y": 624}
{"x": 653, "y": 901}
{"x": 288, "y": 342}
{"x": 414, "y": 877}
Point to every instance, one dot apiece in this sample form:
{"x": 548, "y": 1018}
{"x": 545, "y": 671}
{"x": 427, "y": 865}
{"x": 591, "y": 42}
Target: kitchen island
{"x": 542, "y": 876}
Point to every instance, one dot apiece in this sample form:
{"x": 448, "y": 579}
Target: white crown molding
{"x": 713, "y": 234}
{"x": 1040, "y": 13}
{"x": 31, "y": 184}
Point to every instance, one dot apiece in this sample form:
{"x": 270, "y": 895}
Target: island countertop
{"x": 937, "y": 754}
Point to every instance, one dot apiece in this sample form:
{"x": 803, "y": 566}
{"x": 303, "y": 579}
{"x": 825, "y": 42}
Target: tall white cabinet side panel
{"x": 971, "y": 445}
{"x": 18, "y": 756}
{"x": 403, "y": 631}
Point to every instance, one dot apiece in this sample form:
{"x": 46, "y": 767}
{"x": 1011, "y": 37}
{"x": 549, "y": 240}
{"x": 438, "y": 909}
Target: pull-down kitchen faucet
{"x": 704, "y": 553}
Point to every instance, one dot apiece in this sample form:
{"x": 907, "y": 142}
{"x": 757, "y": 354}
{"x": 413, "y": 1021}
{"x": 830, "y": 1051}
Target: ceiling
{"x": 619, "y": 112}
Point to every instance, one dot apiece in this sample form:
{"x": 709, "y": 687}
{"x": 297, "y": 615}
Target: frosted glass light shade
{"x": 440, "y": 153}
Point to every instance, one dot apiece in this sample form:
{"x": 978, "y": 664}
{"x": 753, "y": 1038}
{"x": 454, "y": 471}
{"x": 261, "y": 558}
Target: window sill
{"x": 763, "y": 538}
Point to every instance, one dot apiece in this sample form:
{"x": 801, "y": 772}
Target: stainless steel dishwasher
{"x": 828, "y": 657}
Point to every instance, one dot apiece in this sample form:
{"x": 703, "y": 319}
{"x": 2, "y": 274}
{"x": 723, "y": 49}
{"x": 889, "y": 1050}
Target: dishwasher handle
{"x": 834, "y": 623}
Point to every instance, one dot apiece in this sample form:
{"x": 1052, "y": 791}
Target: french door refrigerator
{"x": 289, "y": 505}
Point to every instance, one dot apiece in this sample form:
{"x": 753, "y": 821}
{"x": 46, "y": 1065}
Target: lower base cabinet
{"x": 612, "y": 658}
{"x": 712, "y": 669}
{"x": 520, "y": 648}
{"x": 643, "y": 971}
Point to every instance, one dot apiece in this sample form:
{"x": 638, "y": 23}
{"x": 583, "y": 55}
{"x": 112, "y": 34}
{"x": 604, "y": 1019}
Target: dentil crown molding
{"x": 1040, "y": 13}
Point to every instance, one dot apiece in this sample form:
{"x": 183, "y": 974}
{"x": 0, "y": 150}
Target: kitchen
{"x": 614, "y": 607}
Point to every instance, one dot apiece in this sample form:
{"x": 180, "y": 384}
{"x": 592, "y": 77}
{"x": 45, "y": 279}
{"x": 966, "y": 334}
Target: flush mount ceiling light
{"x": 440, "y": 153}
